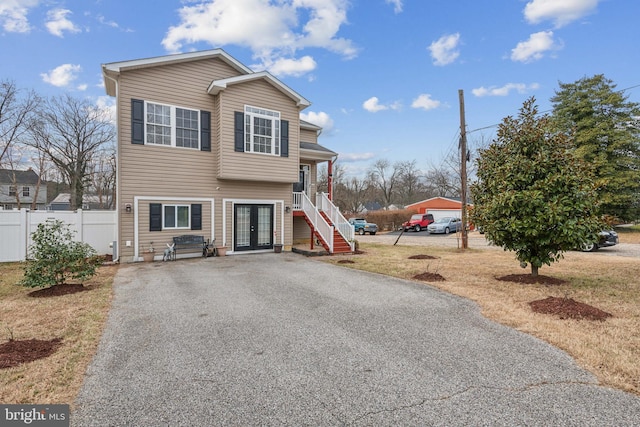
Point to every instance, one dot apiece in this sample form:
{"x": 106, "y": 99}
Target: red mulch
{"x": 429, "y": 277}
{"x": 57, "y": 290}
{"x": 568, "y": 308}
{"x": 346, "y": 261}
{"x": 422, "y": 257}
{"x": 528, "y": 279}
{"x": 14, "y": 353}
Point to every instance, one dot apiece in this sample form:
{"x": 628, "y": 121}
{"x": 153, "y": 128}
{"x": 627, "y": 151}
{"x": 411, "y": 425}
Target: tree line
{"x": 599, "y": 120}
{"x": 63, "y": 138}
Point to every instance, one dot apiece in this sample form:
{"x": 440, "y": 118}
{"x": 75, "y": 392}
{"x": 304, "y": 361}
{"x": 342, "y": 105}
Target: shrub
{"x": 55, "y": 257}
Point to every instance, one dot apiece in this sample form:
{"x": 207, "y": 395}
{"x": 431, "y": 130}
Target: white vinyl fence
{"x": 97, "y": 228}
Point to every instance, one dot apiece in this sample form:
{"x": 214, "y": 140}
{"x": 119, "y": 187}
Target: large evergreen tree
{"x": 607, "y": 136}
{"x": 533, "y": 196}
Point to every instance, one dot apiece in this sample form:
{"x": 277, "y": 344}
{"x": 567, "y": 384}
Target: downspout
{"x": 117, "y": 204}
{"x": 330, "y": 177}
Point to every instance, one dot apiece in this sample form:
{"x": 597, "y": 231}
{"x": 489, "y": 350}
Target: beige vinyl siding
{"x": 154, "y": 170}
{"x": 308, "y": 136}
{"x": 301, "y": 231}
{"x": 255, "y": 166}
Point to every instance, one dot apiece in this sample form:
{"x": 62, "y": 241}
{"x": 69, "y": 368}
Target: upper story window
{"x": 25, "y": 191}
{"x": 262, "y": 130}
{"x": 12, "y": 190}
{"x": 172, "y": 126}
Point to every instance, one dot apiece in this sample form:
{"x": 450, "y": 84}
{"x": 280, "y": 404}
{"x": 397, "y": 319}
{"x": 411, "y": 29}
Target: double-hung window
{"x": 262, "y": 130}
{"x": 12, "y": 190}
{"x": 176, "y": 216}
{"x": 25, "y": 191}
{"x": 172, "y": 126}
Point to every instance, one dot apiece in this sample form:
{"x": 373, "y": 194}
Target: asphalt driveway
{"x": 280, "y": 339}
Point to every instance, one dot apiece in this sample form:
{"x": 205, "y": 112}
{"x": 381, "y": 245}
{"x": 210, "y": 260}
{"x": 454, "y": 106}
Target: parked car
{"x": 418, "y": 222}
{"x": 606, "y": 238}
{"x": 445, "y": 225}
{"x": 361, "y": 226}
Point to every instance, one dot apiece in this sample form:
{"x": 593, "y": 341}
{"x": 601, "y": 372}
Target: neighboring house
{"x": 21, "y": 185}
{"x": 439, "y": 207}
{"x": 208, "y": 147}
{"x": 62, "y": 202}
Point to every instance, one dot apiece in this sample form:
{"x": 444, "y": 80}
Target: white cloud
{"x": 62, "y": 75}
{"x": 504, "y": 90}
{"x": 373, "y": 105}
{"x": 13, "y": 15}
{"x": 288, "y": 67}
{"x": 445, "y": 50}
{"x": 397, "y": 5}
{"x": 534, "y": 48}
{"x": 57, "y": 22}
{"x": 321, "y": 119}
{"x": 561, "y": 12}
{"x": 272, "y": 30}
{"x": 107, "y": 104}
{"x": 425, "y": 102}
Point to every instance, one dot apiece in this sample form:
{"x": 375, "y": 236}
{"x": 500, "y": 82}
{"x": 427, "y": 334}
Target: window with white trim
{"x": 262, "y": 130}
{"x": 25, "y": 191}
{"x": 12, "y": 190}
{"x": 176, "y": 216}
{"x": 172, "y": 126}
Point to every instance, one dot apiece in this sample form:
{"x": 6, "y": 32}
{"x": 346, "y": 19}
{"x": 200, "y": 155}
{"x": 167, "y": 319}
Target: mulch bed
{"x": 568, "y": 308}
{"x": 429, "y": 277}
{"x": 17, "y": 352}
{"x": 57, "y": 290}
{"x": 528, "y": 279}
{"x": 422, "y": 257}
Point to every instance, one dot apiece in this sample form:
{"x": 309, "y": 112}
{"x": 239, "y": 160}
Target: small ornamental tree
{"x": 533, "y": 195}
{"x": 55, "y": 257}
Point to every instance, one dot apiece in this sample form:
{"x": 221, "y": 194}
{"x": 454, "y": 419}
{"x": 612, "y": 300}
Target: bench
{"x": 189, "y": 241}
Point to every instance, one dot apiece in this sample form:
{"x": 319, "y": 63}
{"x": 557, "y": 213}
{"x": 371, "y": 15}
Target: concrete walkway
{"x": 280, "y": 339}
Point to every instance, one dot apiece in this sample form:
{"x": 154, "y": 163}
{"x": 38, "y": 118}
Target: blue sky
{"x": 382, "y": 75}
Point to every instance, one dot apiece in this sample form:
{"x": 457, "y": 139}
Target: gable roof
{"x": 457, "y": 200}
{"x": 315, "y": 151}
{"x": 22, "y": 177}
{"x": 111, "y": 70}
{"x": 217, "y": 86}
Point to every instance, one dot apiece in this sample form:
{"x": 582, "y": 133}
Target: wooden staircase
{"x": 340, "y": 245}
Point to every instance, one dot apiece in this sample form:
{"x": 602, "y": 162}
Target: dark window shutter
{"x": 196, "y": 217}
{"x": 239, "y": 131}
{"x": 137, "y": 121}
{"x": 205, "y": 131}
{"x": 284, "y": 138}
{"x": 155, "y": 217}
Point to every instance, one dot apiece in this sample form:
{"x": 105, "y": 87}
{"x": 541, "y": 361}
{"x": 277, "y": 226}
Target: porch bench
{"x": 189, "y": 241}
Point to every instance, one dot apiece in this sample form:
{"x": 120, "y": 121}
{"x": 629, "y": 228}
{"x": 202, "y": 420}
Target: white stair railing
{"x": 339, "y": 221}
{"x": 321, "y": 226}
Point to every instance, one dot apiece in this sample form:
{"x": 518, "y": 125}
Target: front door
{"x": 302, "y": 186}
{"x": 253, "y": 227}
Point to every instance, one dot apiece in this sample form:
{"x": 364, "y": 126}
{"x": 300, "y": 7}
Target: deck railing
{"x": 339, "y": 221}
{"x": 302, "y": 203}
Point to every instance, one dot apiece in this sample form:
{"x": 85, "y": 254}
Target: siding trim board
{"x": 159, "y": 199}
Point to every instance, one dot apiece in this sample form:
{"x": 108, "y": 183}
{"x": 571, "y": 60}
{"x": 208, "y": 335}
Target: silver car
{"x": 445, "y": 225}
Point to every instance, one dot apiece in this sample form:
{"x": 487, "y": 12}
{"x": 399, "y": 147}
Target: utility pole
{"x": 463, "y": 170}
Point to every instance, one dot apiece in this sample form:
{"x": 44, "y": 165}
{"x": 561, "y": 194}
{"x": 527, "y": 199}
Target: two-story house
{"x": 20, "y": 189}
{"x": 208, "y": 147}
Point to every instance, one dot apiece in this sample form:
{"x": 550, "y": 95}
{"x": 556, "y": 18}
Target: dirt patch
{"x": 57, "y": 290}
{"x": 422, "y": 257}
{"x": 429, "y": 277}
{"x": 568, "y": 308}
{"x": 528, "y": 279}
{"x": 17, "y": 352}
{"x": 346, "y": 261}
